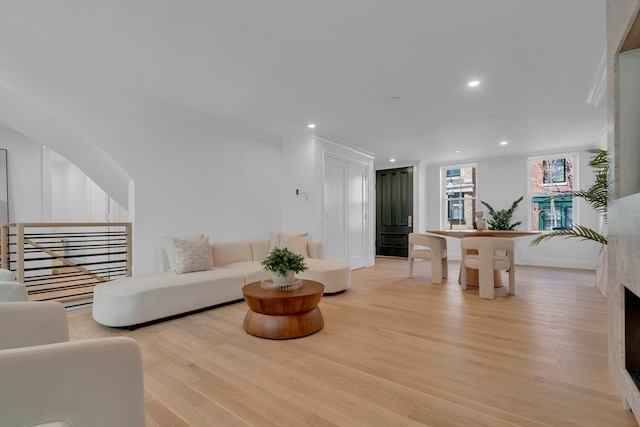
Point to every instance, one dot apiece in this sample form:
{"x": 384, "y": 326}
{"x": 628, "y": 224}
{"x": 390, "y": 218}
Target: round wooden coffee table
{"x": 283, "y": 314}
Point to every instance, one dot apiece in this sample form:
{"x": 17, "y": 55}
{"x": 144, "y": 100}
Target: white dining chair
{"x": 434, "y": 248}
{"x": 486, "y": 261}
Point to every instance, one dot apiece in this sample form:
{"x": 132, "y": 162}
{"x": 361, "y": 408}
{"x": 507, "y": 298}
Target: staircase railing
{"x": 64, "y": 261}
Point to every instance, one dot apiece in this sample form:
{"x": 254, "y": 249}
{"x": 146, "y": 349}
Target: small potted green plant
{"x": 501, "y": 220}
{"x": 283, "y": 264}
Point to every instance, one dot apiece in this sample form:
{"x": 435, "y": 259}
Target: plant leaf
{"x": 578, "y": 231}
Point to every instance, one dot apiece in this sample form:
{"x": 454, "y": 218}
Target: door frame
{"x": 415, "y": 185}
{"x": 368, "y": 229}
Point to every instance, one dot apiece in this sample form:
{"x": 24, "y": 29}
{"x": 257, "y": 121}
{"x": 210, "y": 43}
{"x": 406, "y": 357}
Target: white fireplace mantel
{"x": 623, "y": 96}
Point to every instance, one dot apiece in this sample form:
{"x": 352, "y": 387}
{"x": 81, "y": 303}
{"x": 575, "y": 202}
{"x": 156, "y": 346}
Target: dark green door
{"x": 394, "y": 211}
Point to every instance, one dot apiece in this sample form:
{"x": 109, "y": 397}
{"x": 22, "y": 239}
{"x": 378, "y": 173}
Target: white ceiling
{"x": 274, "y": 66}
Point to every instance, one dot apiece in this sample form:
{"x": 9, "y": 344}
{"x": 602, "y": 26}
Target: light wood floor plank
{"x": 394, "y": 352}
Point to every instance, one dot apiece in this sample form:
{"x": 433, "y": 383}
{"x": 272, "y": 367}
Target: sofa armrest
{"x": 7, "y": 275}
{"x": 32, "y": 323}
{"x": 315, "y": 250}
{"x": 96, "y": 382}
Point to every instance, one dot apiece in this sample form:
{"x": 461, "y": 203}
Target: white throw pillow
{"x": 170, "y": 249}
{"x": 297, "y": 243}
{"x": 193, "y": 255}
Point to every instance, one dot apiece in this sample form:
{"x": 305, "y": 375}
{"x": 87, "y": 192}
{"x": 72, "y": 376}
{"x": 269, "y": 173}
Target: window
{"x": 459, "y": 197}
{"x": 550, "y": 178}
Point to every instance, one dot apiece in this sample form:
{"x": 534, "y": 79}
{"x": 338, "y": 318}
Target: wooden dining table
{"x": 473, "y": 277}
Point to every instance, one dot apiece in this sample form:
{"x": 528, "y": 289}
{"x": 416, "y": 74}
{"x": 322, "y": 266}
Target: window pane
{"x": 459, "y": 201}
{"x": 552, "y": 213}
{"x": 457, "y": 210}
{"x": 554, "y": 171}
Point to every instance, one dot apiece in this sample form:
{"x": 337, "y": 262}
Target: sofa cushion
{"x": 259, "y": 249}
{"x": 297, "y": 243}
{"x": 170, "y": 249}
{"x": 229, "y": 253}
{"x": 193, "y": 255}
{"x": 334, "y": 275}
{"x": 251, "y": 270}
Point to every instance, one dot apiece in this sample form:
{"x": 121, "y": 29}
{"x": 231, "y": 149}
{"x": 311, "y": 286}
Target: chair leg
{"x": 486, "y": 284}
{"x": 445, "y": 268}
{"x": 463, "y": 275}
{"x": 436, "y": 270}
{"x": 512, "y": 280}
{"x": 410, "y": 267}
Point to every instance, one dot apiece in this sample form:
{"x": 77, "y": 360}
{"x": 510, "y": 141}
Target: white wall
{"x": 190, "y": 174}
{"x": 194, "y": 175}
{"x": 501, "y": 180}
{"x": 24, "y": 165}
{"x": 302, "y": 170}
{"x": 44, "y": 186}
{"x": 35, "y": 120}
{"x": 69, "y": 197}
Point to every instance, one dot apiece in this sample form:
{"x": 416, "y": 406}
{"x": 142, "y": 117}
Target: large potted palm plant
{"x": 597, "y": 196}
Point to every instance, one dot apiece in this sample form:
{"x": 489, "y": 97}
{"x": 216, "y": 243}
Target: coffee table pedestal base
{"x": 284, "y": 326}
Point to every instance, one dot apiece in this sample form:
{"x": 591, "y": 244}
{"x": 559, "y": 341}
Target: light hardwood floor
{"x": 394, "y": 352}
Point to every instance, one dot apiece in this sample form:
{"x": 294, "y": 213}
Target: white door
{"x": 335, "y": 210}
{"x": 357, "y": 215}
{"x": 345, "y": 211}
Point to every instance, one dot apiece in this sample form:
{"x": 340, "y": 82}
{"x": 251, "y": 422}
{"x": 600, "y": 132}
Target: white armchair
{"x": 24, "y": 324}
{"x": 434, "y": 248}
{"x": 49, "y": 381}
{"x": 486, "y": 261}
{"x": 10, "y": 290}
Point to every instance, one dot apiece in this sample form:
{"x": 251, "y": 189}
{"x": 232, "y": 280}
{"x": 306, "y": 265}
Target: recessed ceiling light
{"x": 473, "y": 83}
{"x": 504, "y": 142}
{"x": 311, "y": 125}
{"x": 395, "y": 98}
{"x": 457, "y": 151}
{"x": 392, "y": 159}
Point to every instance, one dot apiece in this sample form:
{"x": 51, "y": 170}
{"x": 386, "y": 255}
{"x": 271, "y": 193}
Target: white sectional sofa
{"x": 135, "y": 301}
